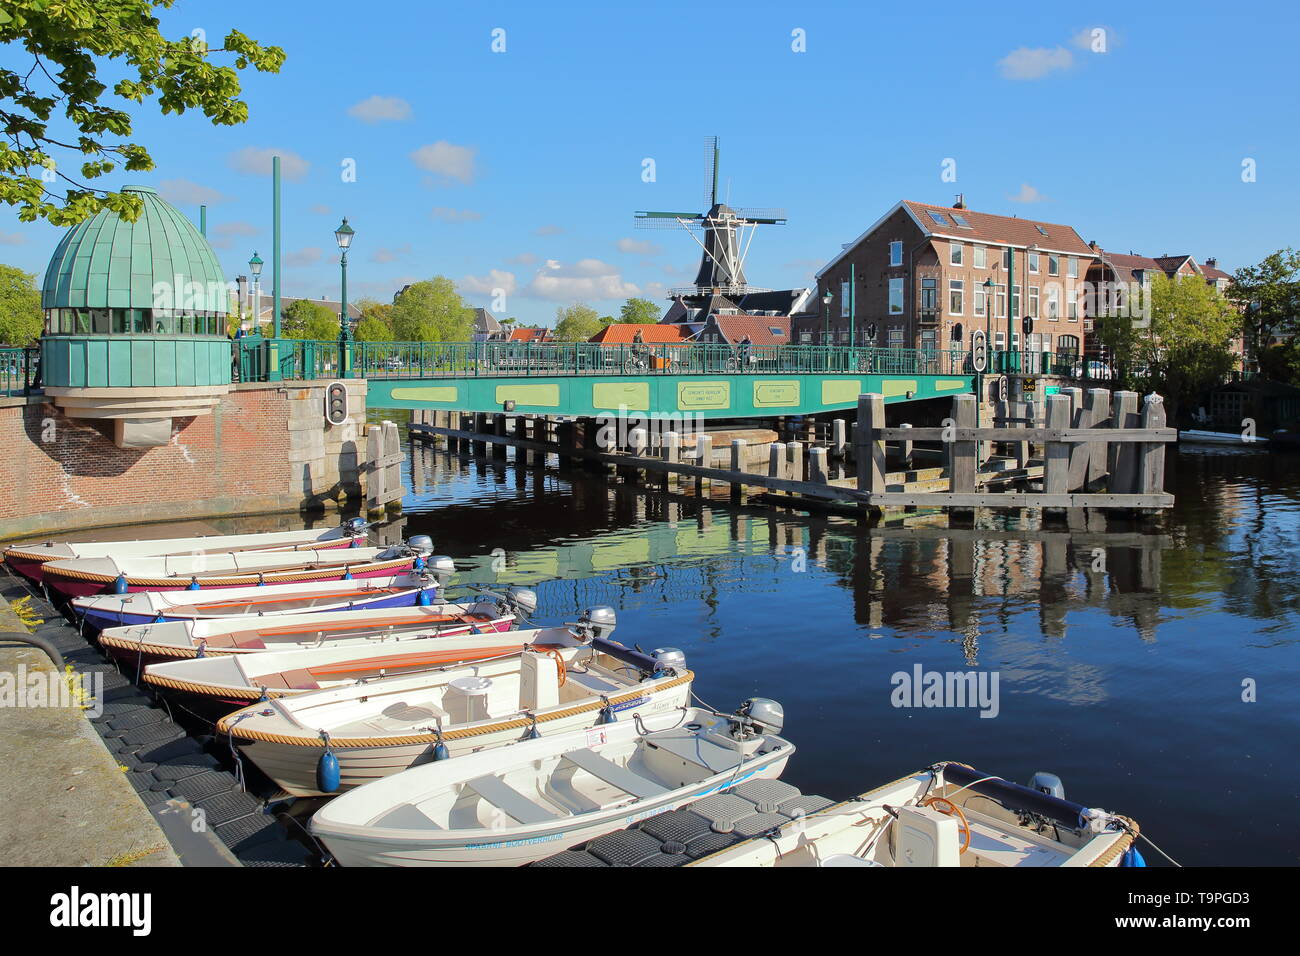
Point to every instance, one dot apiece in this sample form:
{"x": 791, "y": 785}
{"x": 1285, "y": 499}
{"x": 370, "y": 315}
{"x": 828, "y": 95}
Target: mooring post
{"x": 794, "y": 460}
{"x": 962, "y": 454}
{"x": 671, "y": 449}
{"x": 1151, "y": 467}
{"x": 1122, "y": 456}
{"x": 868, "y": 448}
{"x": 639, "y": 440}
{"x": 737, "y": 466}
{"x": 1096, "y": 410}
{"x": 704, "y": 458}
{"x": 499, "y": 429}
{"x": 817, "y": 467}
{"x": 905, "y": 451}
{"x": 839, "y": 439}
{"x": 776, "y": 460}
{"x": 1056, "y": 454}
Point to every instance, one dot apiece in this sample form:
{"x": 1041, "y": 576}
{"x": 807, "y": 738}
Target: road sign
{"x": 1029, "y": 385}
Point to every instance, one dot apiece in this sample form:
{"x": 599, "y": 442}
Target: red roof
{"x": 622, "y": 333}
{"x": 1007, "y": 230}
{"x": 759, "y": 328}
{"x": 530, "y": 335}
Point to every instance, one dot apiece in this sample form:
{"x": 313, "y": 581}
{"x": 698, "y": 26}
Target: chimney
{"x": 1093, "y": 245}
{"x": 961, "y": 201}
{"x": 1212, "y": 263}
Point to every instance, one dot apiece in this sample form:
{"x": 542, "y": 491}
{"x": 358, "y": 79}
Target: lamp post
{"x": 255, "y": 268}
{"x": 343, "y": 235}
{"x": 826, "y": 324}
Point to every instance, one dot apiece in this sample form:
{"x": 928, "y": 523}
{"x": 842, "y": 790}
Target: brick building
{"x": 922, "y": 276}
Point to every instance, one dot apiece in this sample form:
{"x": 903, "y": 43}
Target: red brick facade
{"x": 62, "y": 473}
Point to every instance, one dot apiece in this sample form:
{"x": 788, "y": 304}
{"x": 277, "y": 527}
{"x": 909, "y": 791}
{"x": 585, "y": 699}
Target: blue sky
{"x": 521, "y": 170}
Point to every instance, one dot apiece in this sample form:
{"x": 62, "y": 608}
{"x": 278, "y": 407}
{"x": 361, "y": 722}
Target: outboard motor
{"x": 1048, "y": 783}
{"x": 670, "y": 659}
{"x": 420, "y": 543}
{"x": 522, "y": 602}
{"x": 440, "y": 568}
{"x": 762, "y": 715}
{"x": 598, "y": 621}
{"x": 355, "y": 527}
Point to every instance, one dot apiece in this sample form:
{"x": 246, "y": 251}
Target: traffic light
{"x": 979, "y": 350}
{"x": 1027, "y": 324}
{"x": 336, "y": 403}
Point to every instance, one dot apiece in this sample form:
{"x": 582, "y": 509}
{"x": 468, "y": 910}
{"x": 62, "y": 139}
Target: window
{"x": 1072, "y": 308}
{"x": 895, "y": 338}
{"x": 1047, "y": 341}
{"x": 1000, "y": 301}
{"x": 1053, "y": 265}
{"x": 896, "y": 253}
{"x": 980, "y": 260}
{"x": 1053, "y": 302}
{"x": 1006, "y": 258}
{"x": 1033, "y": 262}
{"x": 954, "y": 254}
{"x": 1015, "y": 341}
{"x": 938, "y": 217}
{"x": 955, "y": 293}
{"x": 1033, "y": 301}
{"x": 1015, "y": 301}
{"x": 960, "y": 220}
{"x": 980, "y": 296}
{"x": 805, "y": 338}
{"x": 1000, "y": 341}
{"x": 1040, "y": 229}
{"x": 844, "y": 300}
{"x": 1072, "y": 264}
{"x": 1035, "y": 342}
{"x": 929, "y": 296}
{"x": 896, "y": 296}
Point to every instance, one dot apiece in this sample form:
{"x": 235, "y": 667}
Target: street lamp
{"x": 255, "y": 267}
{"x": 343, "y": 236}
{"x": 826, "y": 318}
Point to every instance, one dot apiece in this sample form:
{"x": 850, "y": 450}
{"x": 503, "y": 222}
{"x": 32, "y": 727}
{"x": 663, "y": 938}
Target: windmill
{"x": 726, "y": 239}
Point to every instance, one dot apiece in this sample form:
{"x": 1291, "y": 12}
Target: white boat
{"x": 946, "y": 815}
{"x": 100, "y": 611}
{"x": 140, "y": 644}
{"x": 83, "y": 576}
{"x": 1194, "y": 436}
{"x": 29, "y": 559}
{"x": 372, "y": 730}
{"x": 513, "y": 805}
{"x": 214, "y": 686}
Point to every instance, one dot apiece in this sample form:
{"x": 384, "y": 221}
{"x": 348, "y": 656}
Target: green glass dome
{"x": 159, "y": 263}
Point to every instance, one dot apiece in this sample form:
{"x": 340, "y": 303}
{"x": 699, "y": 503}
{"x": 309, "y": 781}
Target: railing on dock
{"x": 18, "y": 366}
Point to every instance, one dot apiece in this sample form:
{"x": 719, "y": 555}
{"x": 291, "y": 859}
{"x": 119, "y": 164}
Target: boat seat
{"x": 693, "y": 748}
{"x": 242, "y": 639}
{"x": 505, "y": 797}
{"x": 612, "y": 773}
{"x": 300, "y": 679}
{"x": 407, "y": 816}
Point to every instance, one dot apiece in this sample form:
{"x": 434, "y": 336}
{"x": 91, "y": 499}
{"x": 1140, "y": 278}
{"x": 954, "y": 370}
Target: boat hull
{"x": 417, "y": 849}
{"x": 291, "y": 761}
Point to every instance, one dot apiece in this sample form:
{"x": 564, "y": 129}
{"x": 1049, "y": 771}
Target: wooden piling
{"x": 868, "y": 450}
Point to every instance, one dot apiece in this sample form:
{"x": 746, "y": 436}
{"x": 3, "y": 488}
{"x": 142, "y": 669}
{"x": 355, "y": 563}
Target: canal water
{"x": 1153, "y": 667}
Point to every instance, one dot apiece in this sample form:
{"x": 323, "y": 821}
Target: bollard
{"x": 704, "y": 458}
{"x": 839, "y": 439}
{"x": 672, "y": 453}
{"x": 738, "y": 465}
{"x": 817, "y": 466}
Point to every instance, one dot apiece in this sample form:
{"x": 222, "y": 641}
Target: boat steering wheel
{"x": 552, "y": 651}
{"x": 948, "y": 808}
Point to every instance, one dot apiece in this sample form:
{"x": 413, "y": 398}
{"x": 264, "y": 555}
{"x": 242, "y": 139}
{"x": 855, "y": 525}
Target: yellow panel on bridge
{"x": 694, "y": 396}
{"x": 634, "y": 396}
{"x": 546, "y": 396}
{"x": 776, "y": 394}
{"x": 428, "y": 393}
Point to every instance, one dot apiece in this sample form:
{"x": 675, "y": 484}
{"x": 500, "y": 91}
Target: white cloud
{"x": 379, "y": 109}
{"x": 384, "y": 254}
{"x": 187, "y": 193}
{"x": 550, "y": 229}
{"x": 447, "y": 160}
{"x": 523, "y": 259}
{"x": 12, "y": 239}
{"x": 587, "y": 279}
{"x": 445, "y": 214}
{"x": 642, "y": 247}
{"x": 235, "y": 228}
{"x": 1028, "y": 194}
{"x": 256, "y": 161}
{"x": 1034, "y": 63}
{"x": 490, "y": 283}
{"x": 307, "y": 256}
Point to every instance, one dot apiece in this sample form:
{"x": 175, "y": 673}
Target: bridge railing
{"x": 18, "y": 366}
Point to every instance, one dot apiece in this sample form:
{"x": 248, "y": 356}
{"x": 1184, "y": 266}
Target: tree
{"x": 576, "y": 323}
{"x": 1186, "y": 348}
{"x": 305, "y": 319}
{"x": 374, "y": 325}
{"x": 1269, "y": 294}
{"x": 638, "y": 310}
{"x": 432, "y": 311}
{"x": 66, "y": 44}
{"x": 21, "y": 318}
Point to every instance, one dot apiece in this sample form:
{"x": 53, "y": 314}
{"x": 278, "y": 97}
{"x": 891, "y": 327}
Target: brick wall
{"x": 264, "y": 448}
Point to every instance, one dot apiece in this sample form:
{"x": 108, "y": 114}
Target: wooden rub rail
{"x": 1097, "y": 451}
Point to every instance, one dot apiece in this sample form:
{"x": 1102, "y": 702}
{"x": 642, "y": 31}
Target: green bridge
{"x": 586, "y": 380}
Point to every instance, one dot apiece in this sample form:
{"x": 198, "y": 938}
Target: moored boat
{"x": 324, "y": 741}
{"x": 100, "y": 611}
{"x": 513, "y": 805}
{"x": 143, "y": 644}
{"x": 946, "y": 815}
{"x": 85, "y": 576}
{"x": 29, "y": 560}
{"x": 214, "y": 686}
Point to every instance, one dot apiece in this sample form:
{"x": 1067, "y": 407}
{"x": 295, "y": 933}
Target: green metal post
{"x": 1011, "y": 303}
{"x": 203, "y": 221}
{"x": 273, "y": 347}
{"x": 345, "y": 334}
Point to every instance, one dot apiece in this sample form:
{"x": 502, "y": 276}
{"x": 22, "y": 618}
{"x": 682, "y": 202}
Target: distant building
{"x": 265, "y": 306}
{"x": 693, "y": 311}
{"x": 735, "y": 329}
{"x": 531, "y": 335}
{"x": 922, "y": 276}
{"x": 624, "y": 333}
{"x": 486, "y": 327}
